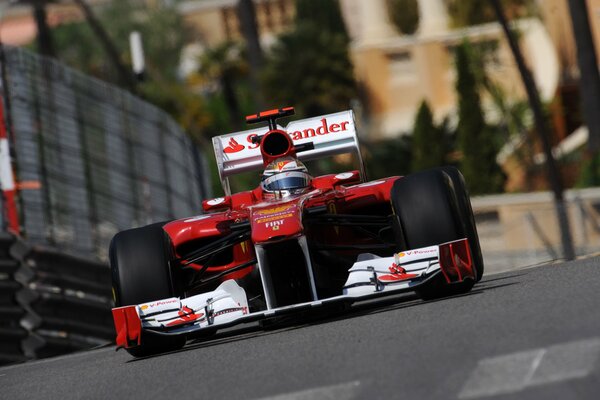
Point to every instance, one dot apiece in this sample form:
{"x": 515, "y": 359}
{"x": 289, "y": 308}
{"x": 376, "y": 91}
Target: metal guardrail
{"x": 11, "y": 331}
{"x": 51, "y": 303}
{"x": 90, "y": 160}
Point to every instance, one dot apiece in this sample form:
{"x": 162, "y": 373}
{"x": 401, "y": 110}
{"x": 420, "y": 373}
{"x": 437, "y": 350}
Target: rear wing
{"x": 330, "y": 134}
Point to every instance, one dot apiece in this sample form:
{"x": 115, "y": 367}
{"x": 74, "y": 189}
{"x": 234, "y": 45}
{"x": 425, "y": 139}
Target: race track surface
{"x": 529, "y": 334}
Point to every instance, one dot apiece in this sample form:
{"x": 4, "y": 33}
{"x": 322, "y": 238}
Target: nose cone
{"x": 276, "y": 222}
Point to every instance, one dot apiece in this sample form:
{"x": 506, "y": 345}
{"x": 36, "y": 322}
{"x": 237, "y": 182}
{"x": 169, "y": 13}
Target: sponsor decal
{"x": 416, "y": 252}
{"x": 233, "y": 147}
{"x": 397, "y": 274}
{"x": 282, "y": 164}
{"x": 158, "y": 303}
{"x": 274, "y": 225}
{"x": 215, "y": 202}
{"x": 275, "y": 210}
{"x": 274, "y": 218}
{"x": 186, "y": 315}
{"x": 323, "y": 129}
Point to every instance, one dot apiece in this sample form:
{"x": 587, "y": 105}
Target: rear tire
{"x": 428, "y": 212}
{"x": 139, "y": 261}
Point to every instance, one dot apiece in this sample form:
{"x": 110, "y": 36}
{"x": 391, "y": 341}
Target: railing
{"x": 51, "y": 303}
{"x": 518, "y": 230}
{"x": 91, "y": 159}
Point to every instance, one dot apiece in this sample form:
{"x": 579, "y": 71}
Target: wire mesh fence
{"x": 92, "y": 159}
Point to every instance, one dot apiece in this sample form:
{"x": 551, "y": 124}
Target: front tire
{"x": 139, "y": 261}
{"x": 428, "y": 211}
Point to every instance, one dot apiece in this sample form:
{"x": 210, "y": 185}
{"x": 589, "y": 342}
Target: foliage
{"x": 428, "y": 145}
{"x": 163, "y": 35}
{"x": 388, "y": 157}
{"x": 590, "y": 172}
{"x": 84, "y": 53}
{"x": 188, "y": 109}
{"x": 474, "y": 12}
{"x": 224, "y": 64}
{"x": 476, "y": 141}
{"x": 404, "y": 14}
{"x": 309, "y": 67}
{"x": 324, "y": 14}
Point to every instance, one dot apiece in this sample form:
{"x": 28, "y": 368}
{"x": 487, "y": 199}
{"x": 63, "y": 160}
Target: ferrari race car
{"x": 295, "y": 243}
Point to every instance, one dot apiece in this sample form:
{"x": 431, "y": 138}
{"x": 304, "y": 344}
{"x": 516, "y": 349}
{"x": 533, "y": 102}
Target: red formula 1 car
{"x": 293, "y": 244}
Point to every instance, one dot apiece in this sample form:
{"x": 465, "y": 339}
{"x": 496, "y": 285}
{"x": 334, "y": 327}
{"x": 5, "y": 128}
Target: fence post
{"x": 7, "y": 181}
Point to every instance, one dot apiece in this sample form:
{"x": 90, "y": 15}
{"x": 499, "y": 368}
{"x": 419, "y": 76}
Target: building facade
{"x": 400, "y": 71}
{"x": 396, "y": 71}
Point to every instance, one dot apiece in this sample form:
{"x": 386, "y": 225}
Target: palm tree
{"x": 543, "y": 132}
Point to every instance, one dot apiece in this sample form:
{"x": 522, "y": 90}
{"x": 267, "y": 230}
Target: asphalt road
{"x": 529, "y": 334}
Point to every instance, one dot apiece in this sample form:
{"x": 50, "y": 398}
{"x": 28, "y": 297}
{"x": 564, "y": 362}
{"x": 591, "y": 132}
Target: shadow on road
{"x": 357, "y": 310}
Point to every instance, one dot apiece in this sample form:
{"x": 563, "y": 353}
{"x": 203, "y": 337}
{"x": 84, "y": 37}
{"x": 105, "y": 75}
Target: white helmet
{"x": 286, "y": 176}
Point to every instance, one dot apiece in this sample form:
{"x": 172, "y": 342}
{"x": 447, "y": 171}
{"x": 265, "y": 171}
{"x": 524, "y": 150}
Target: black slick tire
{"x": 139, "y": 261}
{"x": 428, "y": 211}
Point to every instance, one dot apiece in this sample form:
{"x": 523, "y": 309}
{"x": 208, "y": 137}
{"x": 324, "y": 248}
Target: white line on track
{"x": 343, "y": 391}
{"x": 514, "y": 372}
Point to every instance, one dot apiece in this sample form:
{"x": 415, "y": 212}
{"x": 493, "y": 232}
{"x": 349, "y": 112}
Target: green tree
{"x": 428, "y": 147}
{"x": 309, "y": 67}
{"x": 476, "y": 140}
{"x": 163, "y": 34}
{"x": 589, "y": 173}
{"x": 388, "y": 157}
{"x": 324, "y": 14}
{"x": 404, "y": 14}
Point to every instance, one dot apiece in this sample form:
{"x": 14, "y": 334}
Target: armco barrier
{"x": 11, "y": 332}
{"x": 51, "y": 303}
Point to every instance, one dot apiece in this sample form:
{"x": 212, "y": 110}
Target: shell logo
{"x": 401, "y": 254}
{"x": 144, "y": 307}
{"x": 270, "y": 211}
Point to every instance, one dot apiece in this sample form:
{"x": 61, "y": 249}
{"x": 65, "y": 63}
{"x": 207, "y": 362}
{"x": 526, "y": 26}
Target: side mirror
{"x": 220, "y": 203}
{"x": 346, "y": 177}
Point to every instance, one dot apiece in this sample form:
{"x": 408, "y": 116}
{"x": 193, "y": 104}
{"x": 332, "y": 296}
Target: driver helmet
{"x": 286, "y": 176}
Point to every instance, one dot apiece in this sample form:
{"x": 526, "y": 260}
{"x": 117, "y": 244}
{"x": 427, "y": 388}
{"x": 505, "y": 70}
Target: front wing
{"x": 371, "y": 276}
